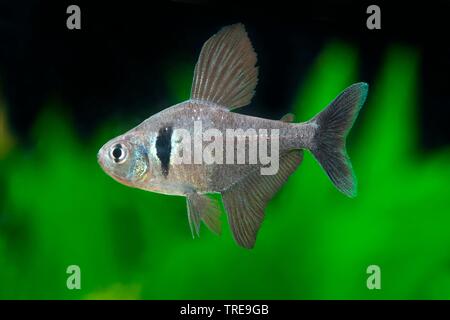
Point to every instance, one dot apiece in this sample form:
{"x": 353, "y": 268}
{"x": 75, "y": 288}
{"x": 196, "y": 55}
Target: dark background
{"x": 115, "y": 63}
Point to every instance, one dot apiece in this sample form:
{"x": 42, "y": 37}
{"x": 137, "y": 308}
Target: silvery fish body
{"x": 199, "y": 147}
{"x": 178, "y": 179}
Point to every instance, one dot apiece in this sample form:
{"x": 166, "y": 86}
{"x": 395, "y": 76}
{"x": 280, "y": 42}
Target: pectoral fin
{"x": 202, "y": 207}
{"x": 246, "y": 200}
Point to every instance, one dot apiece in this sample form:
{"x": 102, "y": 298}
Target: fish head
{"x": 125, "y": 159}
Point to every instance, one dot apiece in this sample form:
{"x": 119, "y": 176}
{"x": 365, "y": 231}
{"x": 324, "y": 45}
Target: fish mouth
{"x": 102, "y": 155}
{"x": 100, "y": 160}
{"x": 110, "y": 173}
{"x": 103, "y": 164}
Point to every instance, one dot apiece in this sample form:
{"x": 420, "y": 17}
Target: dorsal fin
{"x": 225, "y": 73}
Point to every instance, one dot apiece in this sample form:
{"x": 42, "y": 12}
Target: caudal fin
{"x": 333, "y": 125}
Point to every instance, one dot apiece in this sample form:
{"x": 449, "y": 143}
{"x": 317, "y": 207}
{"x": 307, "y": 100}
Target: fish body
{"x": 178, "y": 179}
{"x": 168, "y": 152}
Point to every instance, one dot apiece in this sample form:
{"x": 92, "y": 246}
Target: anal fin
{"x": 246, "y": 199}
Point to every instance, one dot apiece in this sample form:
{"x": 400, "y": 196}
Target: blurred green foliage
{"x": 58, "y": 208}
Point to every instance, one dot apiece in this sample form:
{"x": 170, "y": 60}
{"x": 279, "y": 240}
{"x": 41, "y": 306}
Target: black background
{"x": 116, "y": 63}
{"x": 279, "y": 309}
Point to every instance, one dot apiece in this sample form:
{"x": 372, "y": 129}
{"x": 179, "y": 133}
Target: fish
{"x": 148, "y": 156}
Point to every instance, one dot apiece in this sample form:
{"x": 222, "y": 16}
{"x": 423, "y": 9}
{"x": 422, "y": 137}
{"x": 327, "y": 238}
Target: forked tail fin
{"x": 333, "y": 125}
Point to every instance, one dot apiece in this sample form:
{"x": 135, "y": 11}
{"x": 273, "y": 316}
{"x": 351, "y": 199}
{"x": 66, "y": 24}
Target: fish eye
{"x": 119, "y": 153}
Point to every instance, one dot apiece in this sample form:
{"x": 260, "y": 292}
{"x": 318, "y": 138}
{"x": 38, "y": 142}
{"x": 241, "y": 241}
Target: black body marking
{"x": 163, "y": 148}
